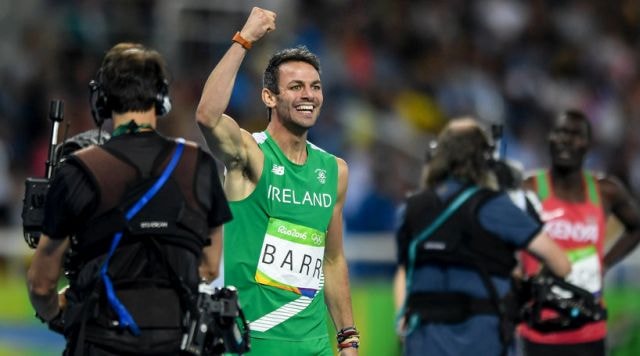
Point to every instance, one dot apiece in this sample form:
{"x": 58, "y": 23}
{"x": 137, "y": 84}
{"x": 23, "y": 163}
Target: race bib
{"x": 291, "y": 258}
{"x": 586, "y": 271}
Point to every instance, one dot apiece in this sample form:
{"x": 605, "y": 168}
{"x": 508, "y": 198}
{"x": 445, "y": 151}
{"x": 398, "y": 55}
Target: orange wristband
{"x": 241, "y": 40}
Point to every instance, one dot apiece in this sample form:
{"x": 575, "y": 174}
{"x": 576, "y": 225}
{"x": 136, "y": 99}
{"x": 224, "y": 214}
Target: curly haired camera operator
{"x": 131, "y": 221}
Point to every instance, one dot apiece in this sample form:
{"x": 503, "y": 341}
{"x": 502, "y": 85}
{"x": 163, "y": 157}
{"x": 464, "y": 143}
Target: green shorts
{"x": 268, "y": 347}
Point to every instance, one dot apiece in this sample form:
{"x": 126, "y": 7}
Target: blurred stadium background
{"x": 393, "y": 73}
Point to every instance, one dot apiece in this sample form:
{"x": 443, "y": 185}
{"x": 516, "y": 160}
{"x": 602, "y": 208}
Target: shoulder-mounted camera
{"x": 36, "y": 188}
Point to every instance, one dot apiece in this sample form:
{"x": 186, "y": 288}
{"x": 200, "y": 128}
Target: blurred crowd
{"x": 393, "y": 73}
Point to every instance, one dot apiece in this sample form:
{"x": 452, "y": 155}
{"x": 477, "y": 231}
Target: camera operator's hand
{"x": 259, "y": 23}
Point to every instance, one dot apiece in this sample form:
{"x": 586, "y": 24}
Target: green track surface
{"x": 372, "y": 306}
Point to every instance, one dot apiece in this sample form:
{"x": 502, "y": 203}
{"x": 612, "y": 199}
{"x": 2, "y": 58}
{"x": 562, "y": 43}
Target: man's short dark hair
{"x": 132, "y": 76}
{"x": 300, "y": 53}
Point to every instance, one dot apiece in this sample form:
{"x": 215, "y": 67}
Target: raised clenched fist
{"x": 259, "y": 23}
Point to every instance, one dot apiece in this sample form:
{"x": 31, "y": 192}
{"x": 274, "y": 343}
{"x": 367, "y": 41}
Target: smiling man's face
{"x": 300, "y": 97}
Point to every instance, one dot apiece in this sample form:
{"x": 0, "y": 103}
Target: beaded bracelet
{"x": 348, "y": 337}
{"x": 346, "y": 345}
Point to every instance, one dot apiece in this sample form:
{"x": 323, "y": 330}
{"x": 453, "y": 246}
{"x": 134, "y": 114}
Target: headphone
{"x": 101, "y": 109}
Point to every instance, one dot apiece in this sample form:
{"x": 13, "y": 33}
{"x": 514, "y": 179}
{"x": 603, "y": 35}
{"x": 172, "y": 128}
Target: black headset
{"x": 99, "y": 100}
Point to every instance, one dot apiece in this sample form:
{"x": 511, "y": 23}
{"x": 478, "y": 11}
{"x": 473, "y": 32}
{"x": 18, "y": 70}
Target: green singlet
{"x": 274, "y": 248}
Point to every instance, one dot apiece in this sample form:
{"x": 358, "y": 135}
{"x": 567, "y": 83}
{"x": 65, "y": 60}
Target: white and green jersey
{"x": 274, "y": 246}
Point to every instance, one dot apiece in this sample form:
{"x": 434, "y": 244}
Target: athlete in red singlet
{"x": 575, "y": 206}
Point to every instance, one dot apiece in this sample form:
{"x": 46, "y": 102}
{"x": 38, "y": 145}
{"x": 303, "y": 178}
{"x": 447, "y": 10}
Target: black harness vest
{"x": 167, "y": 235}
{"x": 461, "y": 240}
{"x": 174, "y": 211}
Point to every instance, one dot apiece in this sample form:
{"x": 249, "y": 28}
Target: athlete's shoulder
{"x": 610, "y": 184}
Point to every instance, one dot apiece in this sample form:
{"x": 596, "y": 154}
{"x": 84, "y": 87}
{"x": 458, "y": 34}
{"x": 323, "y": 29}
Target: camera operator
{"x": 131, "y": 221}
{"x": 456, "y": 251}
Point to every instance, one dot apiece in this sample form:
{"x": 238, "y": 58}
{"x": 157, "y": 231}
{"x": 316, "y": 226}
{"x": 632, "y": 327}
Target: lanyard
{"x": 124, "y": 318}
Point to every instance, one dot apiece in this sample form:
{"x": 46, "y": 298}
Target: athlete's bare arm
{"x": 618, "y": 201}
{"x": 228, "y": 142}
{"x": 337, "y": 292}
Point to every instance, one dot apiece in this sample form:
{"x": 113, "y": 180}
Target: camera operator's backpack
{"x": 173, "y": 220}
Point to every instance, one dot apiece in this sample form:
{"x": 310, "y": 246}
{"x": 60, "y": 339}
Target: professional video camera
{"x": 36, "y": 188}
{"x": 217, "y": 325}
{"x": 549, "y": 303}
